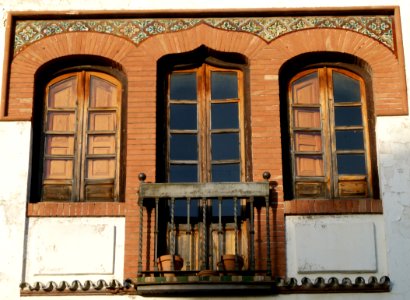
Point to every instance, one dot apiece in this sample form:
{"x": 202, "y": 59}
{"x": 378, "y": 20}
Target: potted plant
{"x": 165, "y": 263}
{"x": 231, "y": 262}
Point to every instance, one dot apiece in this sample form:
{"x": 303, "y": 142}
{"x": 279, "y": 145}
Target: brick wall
{"x": 265, "y": 60}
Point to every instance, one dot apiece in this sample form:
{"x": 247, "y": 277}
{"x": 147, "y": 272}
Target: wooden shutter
{"x": 82, "y": 138}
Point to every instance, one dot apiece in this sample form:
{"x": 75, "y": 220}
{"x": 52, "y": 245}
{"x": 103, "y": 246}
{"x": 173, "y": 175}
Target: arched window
{"x": 81, "y": 126}
{"x": 329, "y": 134}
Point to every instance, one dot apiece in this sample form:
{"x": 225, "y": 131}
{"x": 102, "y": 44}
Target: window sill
{"x": 333, "y": 206}
{"x": 76, "y": 209}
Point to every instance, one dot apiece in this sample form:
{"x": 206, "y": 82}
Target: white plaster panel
{"x": 335, "y": 246}
{"x": 74, "y": 248}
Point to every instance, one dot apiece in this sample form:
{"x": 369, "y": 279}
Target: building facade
{"x": 273, "y": 136}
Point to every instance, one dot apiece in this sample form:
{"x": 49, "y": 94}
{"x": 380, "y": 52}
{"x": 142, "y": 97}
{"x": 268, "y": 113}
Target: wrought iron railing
{"x": 162, "y": 199}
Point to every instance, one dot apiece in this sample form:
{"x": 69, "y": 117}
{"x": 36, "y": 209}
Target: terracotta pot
{"x": 228, "y": 262}
{"x": 164, "y": 263}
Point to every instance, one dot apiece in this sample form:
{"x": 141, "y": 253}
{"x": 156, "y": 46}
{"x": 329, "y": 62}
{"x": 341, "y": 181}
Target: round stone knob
{"x": 142, "y": 177}
{"x": 266, "y": 175}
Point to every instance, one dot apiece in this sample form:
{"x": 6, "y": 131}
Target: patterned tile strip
{"x": 27, "y": 32}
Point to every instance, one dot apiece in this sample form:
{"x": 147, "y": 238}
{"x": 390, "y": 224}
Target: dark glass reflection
{"x": 184, "y": 147}
{"x": 345, "y": 89}
{"x": 225, "y": 146}
{"x": 348, "y": 116}
{"x": 227, "y": 208}
{"x": 351, "y": 164}
{"x": 224, "y": 116}
{"x": 183, "y": 173}
{"x": 349, "y": 140}
{"x": 183, "y": 86}
{"x": 226, "y": 173}
{"x": 181, "y": 207}
{"x": 224, "y": 85}
{"x": 183, "y": 116}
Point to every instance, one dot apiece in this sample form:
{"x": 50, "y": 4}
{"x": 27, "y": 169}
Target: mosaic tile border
{"x": 378, "y": 27}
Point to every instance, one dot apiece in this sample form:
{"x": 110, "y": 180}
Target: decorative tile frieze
{"x": 379, "y": 28}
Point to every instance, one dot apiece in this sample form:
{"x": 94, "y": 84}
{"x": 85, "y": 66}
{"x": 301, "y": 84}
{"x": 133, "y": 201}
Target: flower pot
{"x": 228, "y": 262}
{"x": 165, "y": 263}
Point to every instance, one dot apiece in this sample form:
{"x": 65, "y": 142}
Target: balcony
{"x": 199, "y": 228}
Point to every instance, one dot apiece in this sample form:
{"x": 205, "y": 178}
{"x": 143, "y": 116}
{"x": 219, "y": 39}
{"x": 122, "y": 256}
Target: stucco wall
{"x": 392, "y": 133}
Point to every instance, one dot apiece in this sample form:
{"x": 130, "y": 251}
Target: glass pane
{"x": 101, "y": 144}
{"x": 307, "y": 117}
{"x": 225, "y": 146}
{"x": 353, "y": 164}
{"x": 184, "y": 147}
{"x": 58, "y": 169}
{"x": 308, "y": 141}
{"x": 181, "y": 208}
{"x": 183, "y": 173}
{"x": 102, "y": 121}
{"x": 348, "y": 116}
{"x": 63, "y": 94}
{"x": 183, "y": 86}
{"x": 102, "y": 93}
{"x": 101, "y": 168}
{"x": 349, "y": 140}
{"x": 227, "y": 208}
{"x": 224, "y": 85}
{"x": 60, "y": 145}
{"x": 309, "y": 165}
{"x": 61, "y": 121}
{"x": 306, "y": 90}
{"x": 226, "y": 173}
{"x": 345, "y": 88}
{"x": 224, "y": 116}
{"x": 183, "y": 116}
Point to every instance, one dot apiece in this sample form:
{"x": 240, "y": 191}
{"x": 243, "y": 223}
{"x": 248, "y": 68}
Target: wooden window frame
{"x": 204, "y": 130}
{"x": 331, "y": 178}
{"x": 81, "y": 135}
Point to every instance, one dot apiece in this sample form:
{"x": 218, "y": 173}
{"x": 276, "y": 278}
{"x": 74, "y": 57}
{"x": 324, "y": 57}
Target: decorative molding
{"x": 199, "y": 284}
{"x": 378, "y": 27}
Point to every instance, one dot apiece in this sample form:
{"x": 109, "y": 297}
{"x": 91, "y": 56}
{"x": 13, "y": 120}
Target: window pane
{"x": 61, "y": 121}
{"x": 308, "y": 141}
{"x": 101, "y": 144}
{"x": 58, "y": 169}
{"x": 309, "y": 165}
{"x": 349, "y": 140}
{"x": 306, "y": 90}
{"x": 351, "y": 164}
{"x": 60, "y": 145}
{"x": 348, "y": 116}
{"x": 184, "y": 147}
{"x": 183, "y": 116}
{"x": 101, "y": 168}
{"x": 224, "y": 85}
{"x": 345, "y": 89}
{"x": 225, "y": 146}
{"x": 102, "y": 93}
{"x": 224, "y": 116}
{"x": 181, "y": 207}
{"x": 63, "y": 94}
{"x": 307, "y": 117}
{"x": 183, "y": 86}
{"x": 102, "y": 121}
{"x": 183, "y": 173}
{"x": 226, "y": 173}
{"x": 227, "y": 208}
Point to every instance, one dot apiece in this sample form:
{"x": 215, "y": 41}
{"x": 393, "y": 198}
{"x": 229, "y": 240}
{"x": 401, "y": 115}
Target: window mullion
{"x": 82, "y": 134}
{"x": 326, "y": 91}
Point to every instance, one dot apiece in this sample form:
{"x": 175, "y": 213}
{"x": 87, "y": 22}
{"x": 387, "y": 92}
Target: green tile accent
{"x": 378, "y": 27}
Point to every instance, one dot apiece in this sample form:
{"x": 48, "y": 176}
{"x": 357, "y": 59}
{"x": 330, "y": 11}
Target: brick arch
{"x": 184, "y": 41}
{"x": 25, "y": 65}
{"x": 389, "y": 90}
